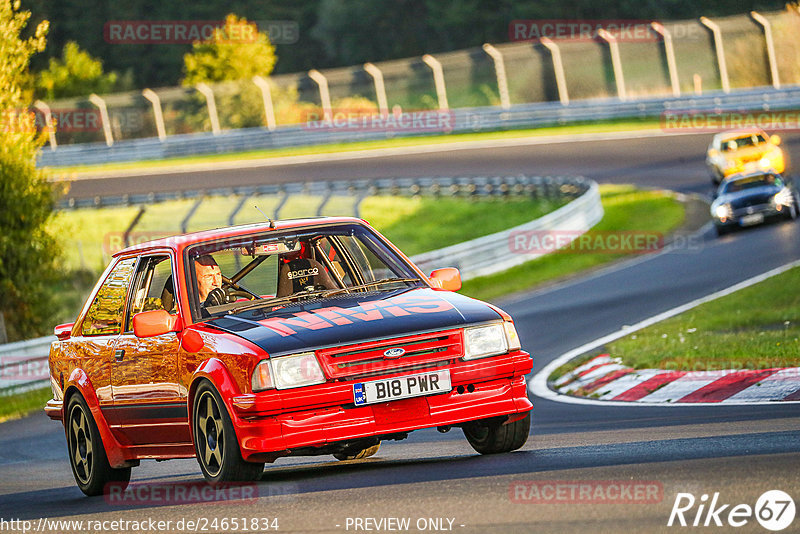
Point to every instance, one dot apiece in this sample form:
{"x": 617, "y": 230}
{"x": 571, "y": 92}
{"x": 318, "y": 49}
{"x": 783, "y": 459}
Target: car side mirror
{"x": 155, "y": 323}
{"x": 448, "y": 279}
{"x": 63, "y": 331}
{"x": 775, "y": 139}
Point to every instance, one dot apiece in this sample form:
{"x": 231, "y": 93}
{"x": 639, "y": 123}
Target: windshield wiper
{"x": 381, "y": 282}
{"x": 276, "y": 301}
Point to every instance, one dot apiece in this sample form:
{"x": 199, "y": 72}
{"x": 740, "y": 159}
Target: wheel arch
{"x": 79, "y": 383}
{"x": 214, "y": 371}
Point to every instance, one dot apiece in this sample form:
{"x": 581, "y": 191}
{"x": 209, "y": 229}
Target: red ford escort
{"x": 241, "y": 345}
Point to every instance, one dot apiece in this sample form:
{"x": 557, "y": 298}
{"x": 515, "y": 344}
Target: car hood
{"x": 349, "y": 319}
{"x": 756, "y": 195}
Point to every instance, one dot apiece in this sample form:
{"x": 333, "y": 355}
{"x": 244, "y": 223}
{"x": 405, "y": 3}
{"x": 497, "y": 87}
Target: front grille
{"x": 749, "y": 210}
{"x": 368, "y": 359}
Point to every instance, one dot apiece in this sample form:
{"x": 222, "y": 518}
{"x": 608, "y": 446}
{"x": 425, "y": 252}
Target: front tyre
{"x": 215, "y": 441}
{"x": 490, "y": 436}
{"x": 87, "y": 456}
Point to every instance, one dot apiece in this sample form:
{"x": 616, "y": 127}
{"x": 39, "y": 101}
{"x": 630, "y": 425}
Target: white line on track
{"x": 538, "y": 384}
{"x": 369, "y": 153}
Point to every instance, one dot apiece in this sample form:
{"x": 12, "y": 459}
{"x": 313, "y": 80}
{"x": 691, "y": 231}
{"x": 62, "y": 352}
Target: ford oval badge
{"x": 394, "y": 353}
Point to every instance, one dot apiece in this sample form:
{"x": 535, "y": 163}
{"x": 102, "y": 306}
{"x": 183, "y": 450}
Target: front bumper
{"x": 265, "y": 429}
{"x": 740, "y": 217}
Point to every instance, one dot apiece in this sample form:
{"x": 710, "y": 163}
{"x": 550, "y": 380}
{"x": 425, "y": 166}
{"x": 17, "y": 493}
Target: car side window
{"x": 105, "y": 315}
{"x": 153, "y": 287}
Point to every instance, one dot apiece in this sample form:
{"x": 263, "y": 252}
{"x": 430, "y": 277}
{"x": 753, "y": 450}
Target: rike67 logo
{"x": 774, "y": 510}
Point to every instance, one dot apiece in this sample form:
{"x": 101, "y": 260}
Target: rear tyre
{"x": 215, "y": 442}
{"x": 490, "y": 436}
{"x": 87, "y": 456}
{"x": 358, "y": 455}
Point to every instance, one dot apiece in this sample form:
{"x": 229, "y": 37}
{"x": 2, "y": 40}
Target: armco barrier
{"x": 23, "y": 365}
{"x": 464, "y": 120}
{"x": 491, "y": 254}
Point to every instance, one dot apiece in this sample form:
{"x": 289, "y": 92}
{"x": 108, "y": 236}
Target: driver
{"x": 209, "y": 280}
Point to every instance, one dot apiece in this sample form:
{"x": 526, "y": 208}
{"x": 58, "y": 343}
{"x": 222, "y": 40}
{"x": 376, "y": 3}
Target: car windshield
{"x": 743, "y": 141}
{"x": 751, "y": 182}
{"x": 279, "y": 267}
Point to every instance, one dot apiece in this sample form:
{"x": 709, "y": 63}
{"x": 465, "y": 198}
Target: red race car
{"x": 241, "y": 345}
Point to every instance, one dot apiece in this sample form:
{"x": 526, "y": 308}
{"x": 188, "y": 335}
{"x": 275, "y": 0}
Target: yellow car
{"x": 744, "y": 150}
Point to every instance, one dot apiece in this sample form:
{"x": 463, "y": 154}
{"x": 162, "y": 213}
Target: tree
{"x": 238, "y": 51}
{"x": 76, "y": 73}
{"x": 27, "y": 252}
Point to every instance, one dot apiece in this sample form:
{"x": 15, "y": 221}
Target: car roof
{"x": 731, "y": 134}
{"x": 742, "y": 175}
{"x": 179, "y": 242}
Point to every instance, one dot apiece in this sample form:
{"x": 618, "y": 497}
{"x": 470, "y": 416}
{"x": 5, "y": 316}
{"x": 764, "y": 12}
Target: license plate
{"x": 749, "y": 220}
{"x": 402, "y": 387}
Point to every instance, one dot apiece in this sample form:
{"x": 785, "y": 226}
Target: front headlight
{"x": 783, "y": 197}
{"x": 484, "y": 341}
{"x": 765, "y": 162}
{"x": 723, "y": 211}
{"x": 296, "y": 371}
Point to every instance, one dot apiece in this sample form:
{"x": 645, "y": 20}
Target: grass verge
{"x": 627, "y": 209}
{"x": 755, "y": 328}
{"x": 21, "y": 404}
{"x": 579, "y": 128}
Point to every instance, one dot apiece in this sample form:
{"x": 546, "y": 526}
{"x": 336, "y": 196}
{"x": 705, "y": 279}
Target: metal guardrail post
{"x": 500, "y": 73}
{"x": 101, "y": 105}
{"x": 281, "y": 203}
{"x": 325, "y": 198}
{"x": 190, "y": 214}
{"x": 438, "y": 81}
{"x": 669, "y": 51}
{"x": 616, "y": 62}
{"x": 324, "y": 92}
{"x": 151, "y": 95}
{"x": 357, "y": 204}
{"x": 380, "y": 87}
{"x": 558, "y": 68}
{"x": 773, "y": 64}
{"x": 48, "y": 122}
{"x": 237, "y": 209}
{"x": 126, "y": 237}
{"x": 723, "y": 68}
{"x": 266, "y": 95}
{"x": 207, "y": 92}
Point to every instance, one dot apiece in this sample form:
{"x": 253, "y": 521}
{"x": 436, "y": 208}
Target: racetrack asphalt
{"x": 738, "y": 451}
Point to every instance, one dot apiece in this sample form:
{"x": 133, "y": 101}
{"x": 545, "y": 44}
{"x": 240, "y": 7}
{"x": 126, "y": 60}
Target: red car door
{"x": 149, "y": 404}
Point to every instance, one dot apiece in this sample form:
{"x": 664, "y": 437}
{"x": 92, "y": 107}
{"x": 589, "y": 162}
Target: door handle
{"x": 119, "y": 354}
